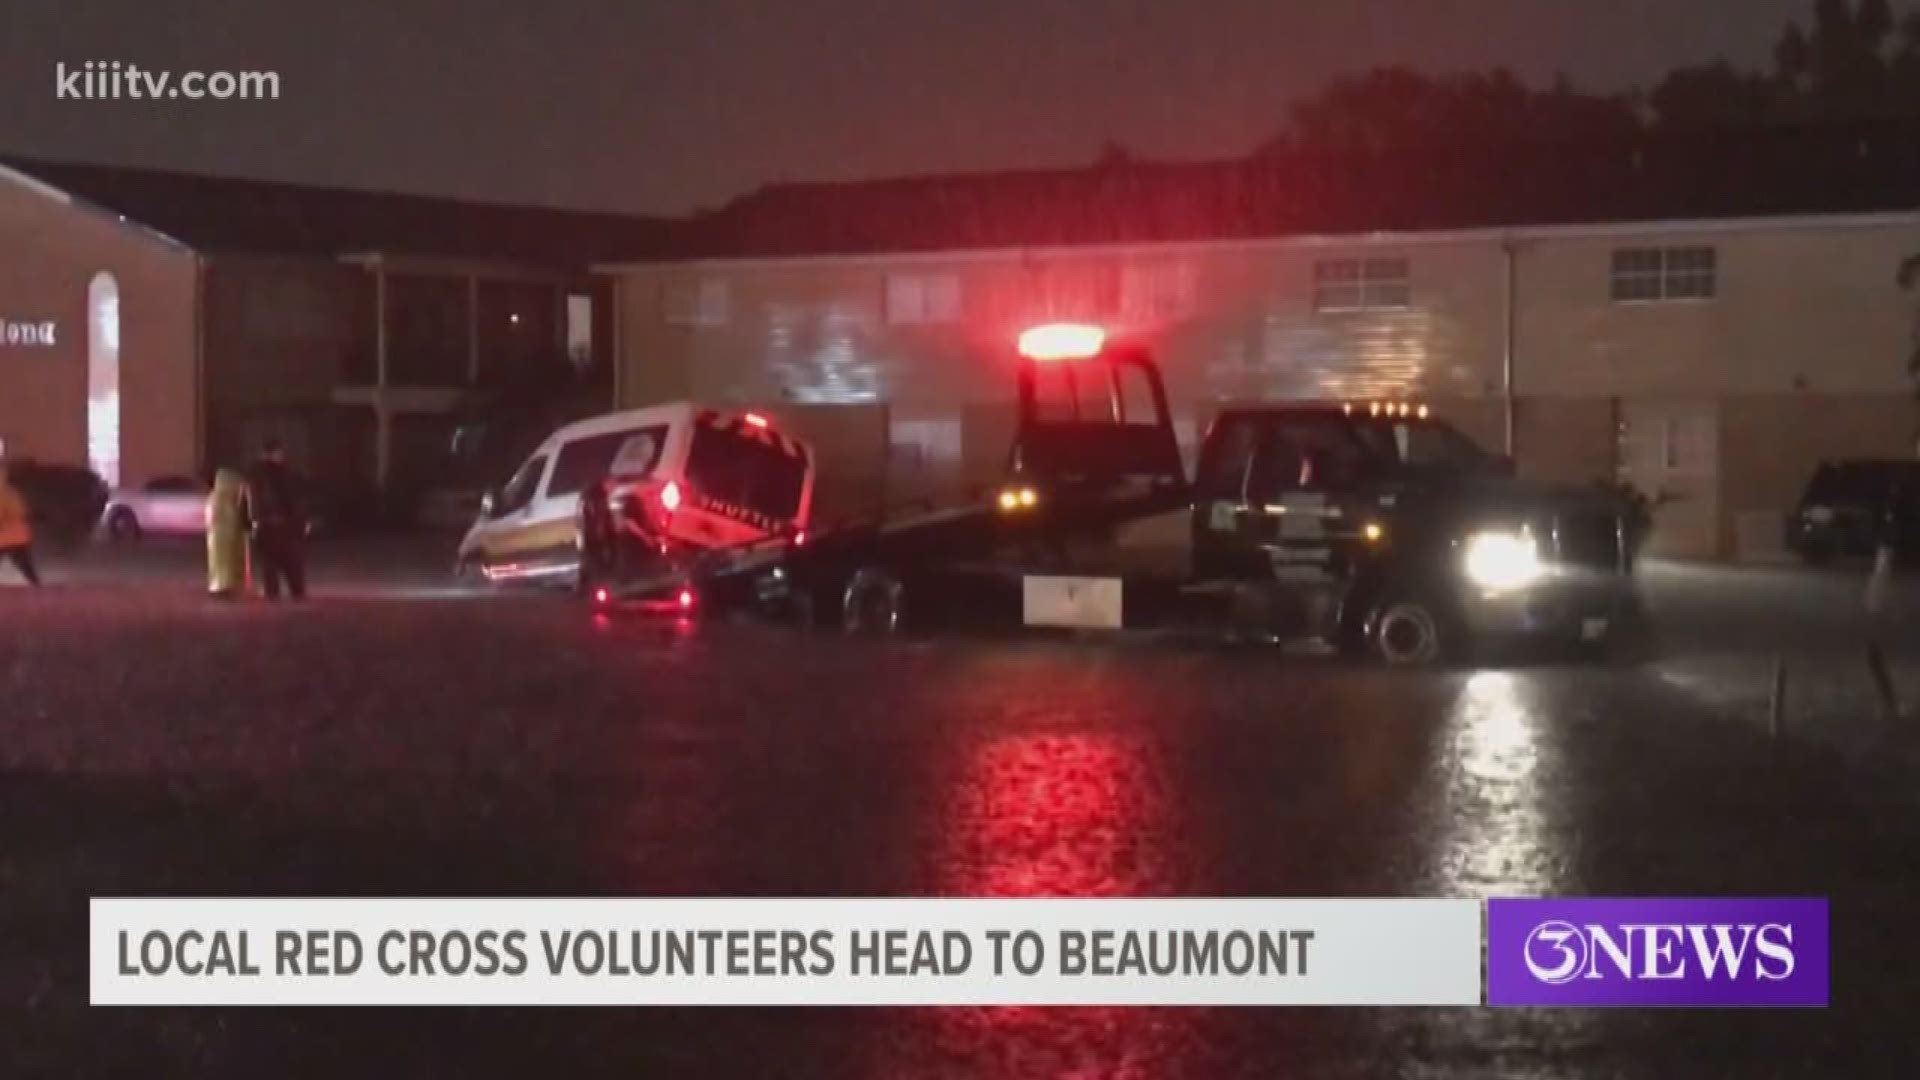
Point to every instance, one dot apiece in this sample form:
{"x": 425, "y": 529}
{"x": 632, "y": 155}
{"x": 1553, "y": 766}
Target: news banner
{"x": 1538, "y": 952}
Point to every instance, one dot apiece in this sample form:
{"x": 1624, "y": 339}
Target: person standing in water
{"x": 227, "y": 535}
{"x": 16, "y": 529}
{"x": 279, "y": 525}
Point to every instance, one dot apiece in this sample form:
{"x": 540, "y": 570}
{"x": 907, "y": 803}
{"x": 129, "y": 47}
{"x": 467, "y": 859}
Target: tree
{"x": 1837, "y": 70}
{"x": 1399, "y": 109}
{"x": 1903, "y": 66}
{"x": 1714, "y": 97}
{"x": 1852, "y": 62}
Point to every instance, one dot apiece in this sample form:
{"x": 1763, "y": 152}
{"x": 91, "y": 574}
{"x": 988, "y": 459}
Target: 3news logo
{"x": 1657, "y": 952}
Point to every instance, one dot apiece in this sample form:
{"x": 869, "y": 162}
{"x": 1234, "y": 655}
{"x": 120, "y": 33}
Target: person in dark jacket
{"x": 279, "y": 524}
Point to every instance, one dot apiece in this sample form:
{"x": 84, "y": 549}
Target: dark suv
{"x": 1849, "y": 505}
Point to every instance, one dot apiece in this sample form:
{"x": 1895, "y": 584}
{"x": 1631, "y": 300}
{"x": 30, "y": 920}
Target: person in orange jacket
{"x": 16, "y": 529}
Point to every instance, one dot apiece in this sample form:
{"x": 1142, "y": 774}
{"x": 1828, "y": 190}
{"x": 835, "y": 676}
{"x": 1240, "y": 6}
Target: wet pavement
{"x": 405, "y": 739}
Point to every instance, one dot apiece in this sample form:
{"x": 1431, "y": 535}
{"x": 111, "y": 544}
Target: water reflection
{"x": 1062, "y": 814}
{"x": 1056, "y": 815}
{"x": 1493, "y": 806}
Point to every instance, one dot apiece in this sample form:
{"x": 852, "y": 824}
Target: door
{"x": 1304, "y": 490}
{"x": 1670, "y": 452}
{"x": 506, "y": 532}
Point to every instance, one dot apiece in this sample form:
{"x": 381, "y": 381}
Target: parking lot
{"x": 399, "y": 737}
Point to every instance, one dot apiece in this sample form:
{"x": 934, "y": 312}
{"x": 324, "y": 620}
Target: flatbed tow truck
{"x": 1369, "y": 528}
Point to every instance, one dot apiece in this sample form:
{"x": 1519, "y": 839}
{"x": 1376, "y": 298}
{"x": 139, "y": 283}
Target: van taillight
{"x": 686, "y": 599}
{"x": 670, "y": 497}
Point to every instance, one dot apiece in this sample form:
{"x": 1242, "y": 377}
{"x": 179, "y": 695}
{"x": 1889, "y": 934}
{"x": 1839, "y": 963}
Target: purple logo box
{"x": 1657, "y": 952}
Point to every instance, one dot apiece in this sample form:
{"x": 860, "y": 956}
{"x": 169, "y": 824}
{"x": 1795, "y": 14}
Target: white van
{"x": 689, "y": 477}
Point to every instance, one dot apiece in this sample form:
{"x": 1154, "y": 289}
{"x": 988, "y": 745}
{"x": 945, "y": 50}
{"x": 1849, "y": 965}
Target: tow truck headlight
{"x": 1502, "y": 561}
{"x": 1014, "y": 500}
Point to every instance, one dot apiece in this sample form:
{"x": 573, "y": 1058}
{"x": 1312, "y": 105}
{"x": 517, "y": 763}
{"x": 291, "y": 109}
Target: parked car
{"x": 65, "y": 500}
{"x": 166, "y": 506}
{"x": 1849, "y": 505}
{"x": 174, "y": 506}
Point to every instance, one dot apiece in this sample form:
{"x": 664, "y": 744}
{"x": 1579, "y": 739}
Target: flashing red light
{"x": 670, "y": 497}
{"x": 686, "y": 599}
{"x": 800, "y": 538}
{"x": 756, "y": 420}
{"x": 1062, "y": 341}
{"x": 600, "y": 596}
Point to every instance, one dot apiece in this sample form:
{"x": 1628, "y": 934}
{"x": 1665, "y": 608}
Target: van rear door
{"x": 746, "y": 481}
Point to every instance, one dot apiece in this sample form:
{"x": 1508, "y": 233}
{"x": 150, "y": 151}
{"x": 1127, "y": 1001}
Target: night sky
{"x": 668, "y": 104}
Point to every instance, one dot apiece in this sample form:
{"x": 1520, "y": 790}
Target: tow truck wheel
{"x": 1408, "y": 631}
{"x": 873, "y": 604}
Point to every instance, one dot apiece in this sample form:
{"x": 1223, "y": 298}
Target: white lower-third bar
{"x": 783, "y": 952}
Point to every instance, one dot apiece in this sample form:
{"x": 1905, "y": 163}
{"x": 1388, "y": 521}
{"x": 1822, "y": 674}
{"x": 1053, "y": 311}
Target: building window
{"x": 427, "y": 329}
{"x": 1650, "y": 275}
{"x": 913, "y": 299}
{"x": 697, "y": 303}
{"x": 1362, "y": 285}
{"x": 1159, "y": 292}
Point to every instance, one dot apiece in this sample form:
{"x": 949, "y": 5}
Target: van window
{"x": 745, "y": 472}
{"x": 639, "y": 452}
{"x": 518, "y": 491}
{"x": 588, "y": 460}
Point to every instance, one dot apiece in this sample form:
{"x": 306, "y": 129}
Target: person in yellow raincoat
{"x": 227, "y": 534}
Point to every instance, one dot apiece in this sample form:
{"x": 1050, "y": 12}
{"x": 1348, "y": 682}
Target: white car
{"x": 167, "y": 506}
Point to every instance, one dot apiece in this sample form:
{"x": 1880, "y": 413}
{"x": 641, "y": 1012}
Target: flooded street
{"x": 153, "y": 743}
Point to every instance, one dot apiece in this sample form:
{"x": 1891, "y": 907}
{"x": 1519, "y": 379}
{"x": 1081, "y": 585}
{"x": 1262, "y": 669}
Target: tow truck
{"x": 1370, "y": 528}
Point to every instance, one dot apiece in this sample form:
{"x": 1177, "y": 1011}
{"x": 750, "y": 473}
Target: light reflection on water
{"x": 1056, "y": 815}
{"x": 1494, "y": 813}
{"x": 1061, "y": 813}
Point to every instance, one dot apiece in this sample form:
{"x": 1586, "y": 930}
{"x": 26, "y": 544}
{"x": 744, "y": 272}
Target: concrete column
{"x": 616, "y": 348}
{"x": 1509, "y": 331}
{"x": 382, "y": 417}
{"x": 473, "y": 330}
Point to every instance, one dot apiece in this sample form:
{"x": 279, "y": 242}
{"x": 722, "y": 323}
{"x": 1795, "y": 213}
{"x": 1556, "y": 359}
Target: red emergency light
{"x": 686, "y": 599}
{"x": 756, "y": 420}
{"x": 670, "y": 497}
{"x": 1062, "y": 341}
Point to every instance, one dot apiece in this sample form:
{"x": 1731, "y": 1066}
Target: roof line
{"x": 66, "y": 198}
{"x": 1408, "y": 238}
